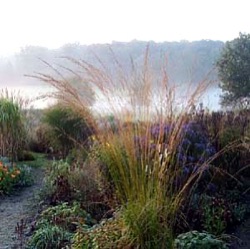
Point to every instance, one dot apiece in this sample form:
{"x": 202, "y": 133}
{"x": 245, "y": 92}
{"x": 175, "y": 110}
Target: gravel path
{"x": 14, "y": 208}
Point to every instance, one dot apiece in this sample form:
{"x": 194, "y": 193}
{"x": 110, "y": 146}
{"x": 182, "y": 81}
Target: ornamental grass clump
{"x": 67, "y": 128}
{"x": 12, "y": 126}
{"x": 140, "y": 165}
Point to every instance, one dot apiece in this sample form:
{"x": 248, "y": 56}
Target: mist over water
{"x": 186, "y": 61}
{"x": 211, "y": 99}
{"x": 103, "y": 104}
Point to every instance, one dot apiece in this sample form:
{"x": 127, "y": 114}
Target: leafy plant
{"x": 49, "y": 236}
{"x": 25, "y": 177}
{"x": 108, "y": 234}
{"x": 239, "y": 211}
{"x": 56, "y": 225}
{"x": 78, "y": 181}
{"x": 198, "y": 240}
{"x": 25, "y": 156}
{"x": 66, "y": 216}
{"x": 8, "y": 178}
{"x": 57, "y": 187}
{"x": 69, "y": 129}
{"x": 12, "y": 176}
{"x": 233, "y": 68}
{"x": 216, "y": 214}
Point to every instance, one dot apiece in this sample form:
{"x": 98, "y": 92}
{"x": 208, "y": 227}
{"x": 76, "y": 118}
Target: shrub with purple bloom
{"x": 191, "y": 151}
{"x": 161, "y": 131}
{"x": 195, "y": 145}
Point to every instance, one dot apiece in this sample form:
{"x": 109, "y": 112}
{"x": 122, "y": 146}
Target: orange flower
{"x": 13, "y": 176}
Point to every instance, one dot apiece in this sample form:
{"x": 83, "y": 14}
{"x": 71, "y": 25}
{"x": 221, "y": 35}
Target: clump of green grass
{"x": 67, "y": 129}
{"x": 12, "y": 128}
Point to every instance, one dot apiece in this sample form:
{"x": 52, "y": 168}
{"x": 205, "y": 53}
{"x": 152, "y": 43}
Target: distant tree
{"x": 234, "y": 72}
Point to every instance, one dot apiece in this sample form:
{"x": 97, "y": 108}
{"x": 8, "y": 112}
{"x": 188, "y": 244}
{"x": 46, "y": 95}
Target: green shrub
{"x": 231, "y": 160}
{"x": 57, "y": 187}
{"x": 65, "y": 182}
{"x": 12, "y": 176}
{"x": 198, "y": 240}
{"x": 56, "y": 225}
{"x": 8, "y": 178}
{"x": 25, "y": 178}
{"x": 108, "y": 234}
{"x": 49, "y": 236}
{"x": 77, "y": 156}
{"x": 69, "y": 129}
{"x": 25, "y": 156}
{"x": 66, "y": 216}
{"x": 41, "y": 137}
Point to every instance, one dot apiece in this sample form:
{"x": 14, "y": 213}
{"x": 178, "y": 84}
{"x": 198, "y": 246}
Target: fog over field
{"x": 186, "y": 63}
{"x": 187, "y": 36}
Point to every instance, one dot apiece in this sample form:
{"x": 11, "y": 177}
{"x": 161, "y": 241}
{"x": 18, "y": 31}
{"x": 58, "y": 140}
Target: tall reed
{"x": 12, "y": 126}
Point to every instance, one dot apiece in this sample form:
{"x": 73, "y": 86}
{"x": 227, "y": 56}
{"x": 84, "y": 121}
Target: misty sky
{"x": 52, "y": 23}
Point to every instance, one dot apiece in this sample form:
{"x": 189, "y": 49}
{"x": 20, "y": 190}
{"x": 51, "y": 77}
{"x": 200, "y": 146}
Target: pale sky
{"x": 52, "y": 23}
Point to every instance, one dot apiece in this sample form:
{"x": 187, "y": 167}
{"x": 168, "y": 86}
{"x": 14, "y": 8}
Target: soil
{"x": 19, "y": 208}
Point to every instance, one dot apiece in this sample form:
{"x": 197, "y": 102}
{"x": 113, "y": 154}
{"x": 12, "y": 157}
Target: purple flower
{"x": 191, "y": 158}
{"x": 186, "y": 170}
{"x": 212, "y": 187}
{"x": 200, "y": 146}
{"x": 181, "y": 157}
{"x": 186, "y": 142}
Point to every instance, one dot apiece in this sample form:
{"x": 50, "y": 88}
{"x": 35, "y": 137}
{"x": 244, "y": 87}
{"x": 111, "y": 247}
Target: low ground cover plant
{"x": 50, "y": 237}
{"x": 67, "y": 182}
{"x": 57, "y": 224}
{"x": 110, "y": 233}
{"x": 199, "y": 240}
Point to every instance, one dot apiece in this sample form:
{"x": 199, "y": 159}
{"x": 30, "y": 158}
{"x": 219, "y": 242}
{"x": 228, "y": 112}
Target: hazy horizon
{"x": 52, "y": 24}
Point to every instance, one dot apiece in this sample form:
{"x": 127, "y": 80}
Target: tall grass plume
{"x": 137, "y": 148}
